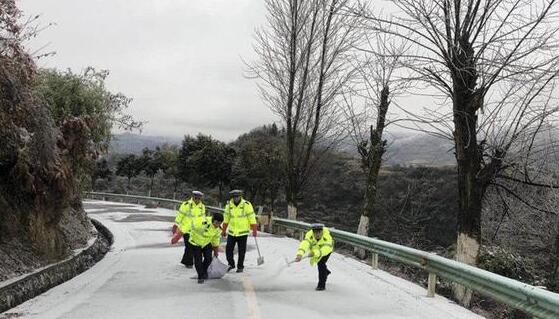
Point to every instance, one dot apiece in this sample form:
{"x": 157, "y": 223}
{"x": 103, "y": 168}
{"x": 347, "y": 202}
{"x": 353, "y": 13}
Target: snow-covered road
{"x": 141, "y": 277}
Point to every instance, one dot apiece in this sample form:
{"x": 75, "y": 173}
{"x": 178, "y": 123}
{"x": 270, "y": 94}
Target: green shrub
{"x": 503, "y": 262}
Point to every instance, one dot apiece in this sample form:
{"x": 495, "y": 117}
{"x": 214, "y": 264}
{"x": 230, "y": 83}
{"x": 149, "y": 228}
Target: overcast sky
{"x": 180, "y": 60}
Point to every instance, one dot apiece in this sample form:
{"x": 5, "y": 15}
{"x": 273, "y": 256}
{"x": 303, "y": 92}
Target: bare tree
{"x": 303, "y": 65}
{"x": 495, "y": 63}
{"x": 365, "y": 105}
{"x": 524, "y": 216}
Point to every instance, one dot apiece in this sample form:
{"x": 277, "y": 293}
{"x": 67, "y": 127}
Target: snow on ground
{"x": 141, "y": 277}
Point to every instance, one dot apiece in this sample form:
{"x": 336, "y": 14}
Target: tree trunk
{"x": 467, "y": 101}
{"x": 291, "y": 195}
{"x": 291, "y": 204}
{"x": 362, "y": 229}
{"x": 128, "y": 185}
{"x": 291, "y": 209}
{"x": 372, "y": 160}
{"x": 555, "y": 258}
{"x": 254, "y": 196}
{"x": 272, "y": 200}
{"x": 370, "y": 199}
{"x": 150, "y": 186}
{"x": 470, "y": 191}
{"x": 220, "y": 189}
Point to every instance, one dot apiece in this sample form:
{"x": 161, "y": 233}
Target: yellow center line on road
{"x": 252, "y": 303}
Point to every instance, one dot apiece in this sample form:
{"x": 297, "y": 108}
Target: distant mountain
{"x": 419, "y": 150}
{"x": 406, "y": 149}
{"x": 412, "y": 149}
{"x": 128, "y": 143}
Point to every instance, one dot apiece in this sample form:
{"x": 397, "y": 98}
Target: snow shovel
{"x": 260, "y": 259}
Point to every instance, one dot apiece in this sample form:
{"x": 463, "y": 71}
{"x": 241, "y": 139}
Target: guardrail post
{"x": 374, "y": 261}
{"x": 302, "y": 235}
{"x": 431, "y": 285}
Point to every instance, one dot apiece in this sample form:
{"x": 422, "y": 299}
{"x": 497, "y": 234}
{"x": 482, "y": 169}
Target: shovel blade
{"x": 260, "y": 261}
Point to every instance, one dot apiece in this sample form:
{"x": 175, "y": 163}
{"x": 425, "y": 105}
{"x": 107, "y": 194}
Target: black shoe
{"x": 320, "y": 288}
{"x": 240, "y": 269}
{"x": 189, "y": 266}
{"x": 200, "y": 281}
{"x": 230, "y": 267}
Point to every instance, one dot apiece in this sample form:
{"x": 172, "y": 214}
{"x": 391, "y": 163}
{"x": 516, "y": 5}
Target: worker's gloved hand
{"x": 254, "y": 228}
{"x": 223, "y": 230}
{"x": 216, "y": 251}
{"x": 298, "y": 258}
{"x": 176, "y": 237}
{"x": 175, "y": 228}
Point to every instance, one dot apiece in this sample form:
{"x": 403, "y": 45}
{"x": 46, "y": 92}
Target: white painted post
{"x": 302, "y": 235}
{"x": 271, "y": 224}
{"x": 374, "y": 261}
{"x": 259, "y": 216}
{"x": 431, "y": 285}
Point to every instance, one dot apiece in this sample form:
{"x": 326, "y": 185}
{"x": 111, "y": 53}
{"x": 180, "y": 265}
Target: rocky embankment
{"x": 19, "y": 289}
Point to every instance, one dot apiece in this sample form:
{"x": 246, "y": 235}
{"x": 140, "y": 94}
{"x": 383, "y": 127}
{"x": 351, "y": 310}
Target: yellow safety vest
{"x": 239, "y": 217}
{"x": 204, "y": 232}
{"x": 319, "y": 248}
{"x": 189, "y": 211}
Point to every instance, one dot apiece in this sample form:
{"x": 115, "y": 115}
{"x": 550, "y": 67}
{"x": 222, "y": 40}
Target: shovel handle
{"x": 257, "y": 248}
{"x": 289, "y": 262}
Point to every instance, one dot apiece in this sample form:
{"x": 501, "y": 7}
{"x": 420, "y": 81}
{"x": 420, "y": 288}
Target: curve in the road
{"x": 141, "y": 277}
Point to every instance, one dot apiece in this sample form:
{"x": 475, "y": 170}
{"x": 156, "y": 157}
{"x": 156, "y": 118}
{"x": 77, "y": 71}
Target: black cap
{"x": 218, "y": 217}
{"x": 317, "y": 226}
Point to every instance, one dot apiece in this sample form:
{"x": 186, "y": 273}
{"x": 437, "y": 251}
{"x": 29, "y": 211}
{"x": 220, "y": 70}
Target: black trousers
{"x": 241, "y": 242}
{"x": 187, "y": 258}
{"x": 202, "y": 259}
{"x": 323, "y": 271}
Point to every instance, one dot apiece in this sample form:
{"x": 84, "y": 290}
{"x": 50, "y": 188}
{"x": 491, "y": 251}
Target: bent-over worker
{"x": 319, "y": 245}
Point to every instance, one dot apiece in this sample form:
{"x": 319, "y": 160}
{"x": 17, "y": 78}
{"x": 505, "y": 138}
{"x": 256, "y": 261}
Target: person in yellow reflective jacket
{"x": 319, "y": 245}
{"x": 204, "y": 237}
{"x": 189, "y": 210}
{"x": 239, "y": 220}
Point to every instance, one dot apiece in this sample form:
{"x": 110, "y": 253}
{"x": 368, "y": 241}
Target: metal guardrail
{"x": 535, "y": 301}
{"x": 146, "y": 198}
{"x": 532, "y": 300}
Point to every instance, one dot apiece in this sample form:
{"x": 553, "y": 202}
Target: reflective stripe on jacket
{"x": 188, "y": 212}
{"x": 204, "y": 232}
{"x": 319, "y": 248}
{"x": 239, "y": 217}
